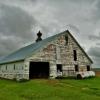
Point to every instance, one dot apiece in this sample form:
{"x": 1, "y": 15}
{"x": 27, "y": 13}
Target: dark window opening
{"x": 59, "y": 67}
{"x": 76, "y": 68}
{"x": 75, "y": 55}
{"x": 66, "y": 38}
{"x": 39, "y": 70}
{"x": 88, "y": 68}
{"x": 6, "y": 67}
{"x": 14, "y": 66}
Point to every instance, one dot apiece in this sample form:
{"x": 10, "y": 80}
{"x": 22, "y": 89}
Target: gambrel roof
{"x": 31, "y": 49}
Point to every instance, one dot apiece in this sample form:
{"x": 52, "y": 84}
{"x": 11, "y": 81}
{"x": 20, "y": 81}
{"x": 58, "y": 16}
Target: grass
{"x": 41, "y": 89}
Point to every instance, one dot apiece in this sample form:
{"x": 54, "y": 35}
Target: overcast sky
{"x": 20, "y": 20}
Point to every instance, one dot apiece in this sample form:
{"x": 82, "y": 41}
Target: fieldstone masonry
{"x": 58, "y": 51}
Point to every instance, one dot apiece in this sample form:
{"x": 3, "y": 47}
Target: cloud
{"x": 20, "y": 20}
{"x": 94, "y": 37}
{"x": 16, "y": 22}
{"x": 95, "y": 55}
{"x": 15, "y": 28}
{"x": 94, "y": 51}
{"x": 96, "y": 13}
{"x": 8, "y": 44}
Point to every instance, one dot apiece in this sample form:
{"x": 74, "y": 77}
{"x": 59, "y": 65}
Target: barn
{"x": 58, "y": 55}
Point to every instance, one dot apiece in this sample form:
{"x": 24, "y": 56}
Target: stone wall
{"x": 14, "y": 70}
{"x": 60, "y": 51}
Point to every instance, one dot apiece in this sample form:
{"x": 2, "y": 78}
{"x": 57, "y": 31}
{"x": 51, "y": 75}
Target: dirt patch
{"x": 97, "y": 73}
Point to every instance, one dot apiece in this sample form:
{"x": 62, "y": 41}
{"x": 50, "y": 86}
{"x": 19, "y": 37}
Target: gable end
{"x": 79, "y": 46}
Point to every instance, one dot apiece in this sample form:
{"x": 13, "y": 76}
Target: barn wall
{"x": 60, "y": 51}
{"x": 14, "y": 70}
{"x": 82, "y": 59}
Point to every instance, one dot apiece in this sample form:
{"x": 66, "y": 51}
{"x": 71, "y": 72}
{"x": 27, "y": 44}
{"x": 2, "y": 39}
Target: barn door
{"x": 39, "y": 70}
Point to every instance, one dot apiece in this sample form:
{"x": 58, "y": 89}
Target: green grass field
{"x": 40, "y": 89}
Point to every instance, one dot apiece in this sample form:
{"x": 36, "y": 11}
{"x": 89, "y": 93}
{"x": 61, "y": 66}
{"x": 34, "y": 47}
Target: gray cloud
{"x": 16, "y": 22}
{"x": 95, "y": 55}
{"x": 20, "y": 19}
{"x": 94, "y": 51}
{"x": 15, "y": 28}
{"x": 94, "y": 37}
{"x": 98, "y": 44}
{"x": 8, "y": 44}
{"x": 97, "y": 9}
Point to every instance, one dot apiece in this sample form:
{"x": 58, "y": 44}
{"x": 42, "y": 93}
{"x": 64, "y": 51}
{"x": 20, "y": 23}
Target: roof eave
{"x": 11, "y": 61}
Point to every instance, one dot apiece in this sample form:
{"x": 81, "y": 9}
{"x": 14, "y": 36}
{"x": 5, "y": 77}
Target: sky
{"x": 20, "y": 20}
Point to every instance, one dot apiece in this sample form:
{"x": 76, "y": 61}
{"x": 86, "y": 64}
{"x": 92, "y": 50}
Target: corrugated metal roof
{"x": 26, "y": 51}
{"x": 2, "y": 57}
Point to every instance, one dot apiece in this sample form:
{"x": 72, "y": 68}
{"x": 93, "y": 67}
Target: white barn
{"x": 58, "y": 55}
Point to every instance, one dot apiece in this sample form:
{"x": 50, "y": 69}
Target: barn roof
{"x": 26, "y": 51}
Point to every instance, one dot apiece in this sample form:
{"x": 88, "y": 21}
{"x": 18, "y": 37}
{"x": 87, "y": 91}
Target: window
{"x": 6, "y": 67}
{"x": 88, "y": 68}
{"x": 75, "y": 55}
{"x": 59, "y": 67}
{"x": 14, "y": 67}
{"x": 66, "y": 38}
{"x": 76, "y": 68}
